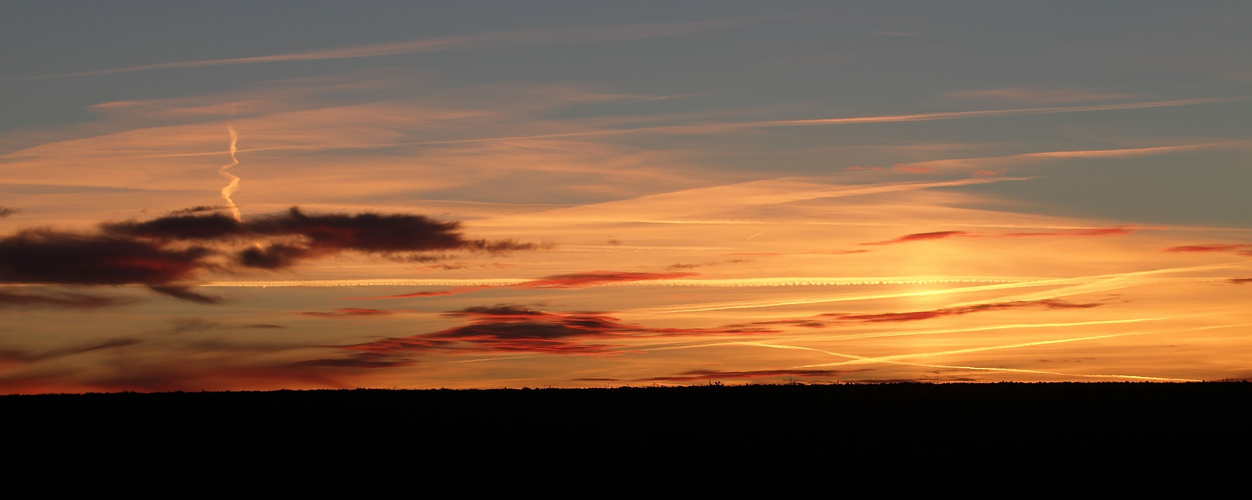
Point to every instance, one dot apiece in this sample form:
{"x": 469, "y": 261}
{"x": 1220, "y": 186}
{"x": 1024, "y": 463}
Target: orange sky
{"x": 466, "y": 222}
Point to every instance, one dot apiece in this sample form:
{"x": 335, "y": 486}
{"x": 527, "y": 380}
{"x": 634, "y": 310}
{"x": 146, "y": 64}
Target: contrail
{"x": 234, "y": 179}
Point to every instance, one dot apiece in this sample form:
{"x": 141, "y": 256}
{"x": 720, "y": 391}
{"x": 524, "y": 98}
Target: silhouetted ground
{"x": 972, "y": 437}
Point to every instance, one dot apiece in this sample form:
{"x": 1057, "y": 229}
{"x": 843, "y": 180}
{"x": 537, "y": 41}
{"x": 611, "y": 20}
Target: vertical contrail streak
{"x": 234, "y": 180}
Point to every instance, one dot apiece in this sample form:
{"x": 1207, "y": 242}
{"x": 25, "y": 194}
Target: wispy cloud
{"x": 1237, "y": 248}
{"x": 508, "y": 328}
{"x": 719, "y": 128}
{"x": 349, "y": 312}
{"x": 956, "y": 115}
{"x": 550, "y": 36}
{"x": 1035, "y": 95}
{"x": 1017, "y": 159}
{"x": 938, "y": 235}
{"x": 935, "y": 235}
{"x": 61, "y": 300}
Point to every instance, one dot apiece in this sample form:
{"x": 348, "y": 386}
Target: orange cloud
{"x": 1099, "y": 231}
{"x": 1237, "y": 248}
{"x": 937, "y": 235}
{"x": 956, "y": 311}
{"x": 349, "y": 312}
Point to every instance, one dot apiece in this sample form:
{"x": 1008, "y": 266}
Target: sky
{"x": 299, "y": 195}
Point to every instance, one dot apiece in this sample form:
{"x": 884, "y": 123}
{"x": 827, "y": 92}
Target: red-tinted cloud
{"x": 693, "y": 375}
{"x": 513, "y": 328}
{"x": 592, "y": 278}
{"x": 1240, "y": 281}
{"x": 349, "y": 312}
{"x": 937, "y": 235}
{"x": 1099, "y": 231}
{"x": 6, "y": 211}
{"x": 956, "y": 311}
{"x": 367, "y": 360}
{"x": 1237, "y": 248}
{"x": 48, "y": 256}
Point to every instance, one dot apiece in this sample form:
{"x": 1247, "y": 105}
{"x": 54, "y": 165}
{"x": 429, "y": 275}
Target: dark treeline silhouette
{"x": 458, "y": 442}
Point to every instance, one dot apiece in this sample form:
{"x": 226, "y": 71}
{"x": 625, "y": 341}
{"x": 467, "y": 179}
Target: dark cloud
{"x": 317, "y": 235}
{"x": 359, "y": 360}
{"x": 184, "y": 293}
{"x": 13, "y": 355}
{"x": 167, "y": 252}
{"x": 6, "y": 211}
{"x": 261, "y": 325}
{"x": 48, "y": 256}
{"x": 179, "y": 227}
{"x": 920, "y": 237}
{"x": 514, "y": 328}
{"x": 1240, "y": 281}
{"x": 277, "y": 256}
{"x": 199, "y": 209}
{"x": 59, "y": 300}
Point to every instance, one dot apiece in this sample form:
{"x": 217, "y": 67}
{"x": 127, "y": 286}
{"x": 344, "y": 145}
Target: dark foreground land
{"x": 459, "y": 441}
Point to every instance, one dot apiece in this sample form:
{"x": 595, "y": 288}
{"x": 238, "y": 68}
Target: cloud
{"x": 61, "y": 300}
{"x": 1097, "y": 231}
{"x": 14, "y": 355}
{"x": 693, "y": 375}
{"x": 986, "y": 162}
{"x": 1035, "y": 95}
{"x": 184, "y": 293}
{"x": 6, "y": 211}
{"x": 955, "y": 115}
{"x": 49, "y": 256}
{"x": 956, "y": 311}
{"x": 349, "y": 312}
{"x": 167, "y": 252}
{"x": 199, "y": 209}
{"x": 319, "y": 235}
{"x": 358, "y": 360}
{"x": 1240, "y": 281}
{"x": 936, "y": 235}
{"x": 573, "y": 280}
{"x": 514, "y": 328}
{"x": 1237, "y": 248}
{"x": 553, "y": 36}
{"x": 593, "y": 278}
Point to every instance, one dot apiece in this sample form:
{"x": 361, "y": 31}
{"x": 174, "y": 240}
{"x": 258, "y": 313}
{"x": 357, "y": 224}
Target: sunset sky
{"x": 269, "y": 195}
